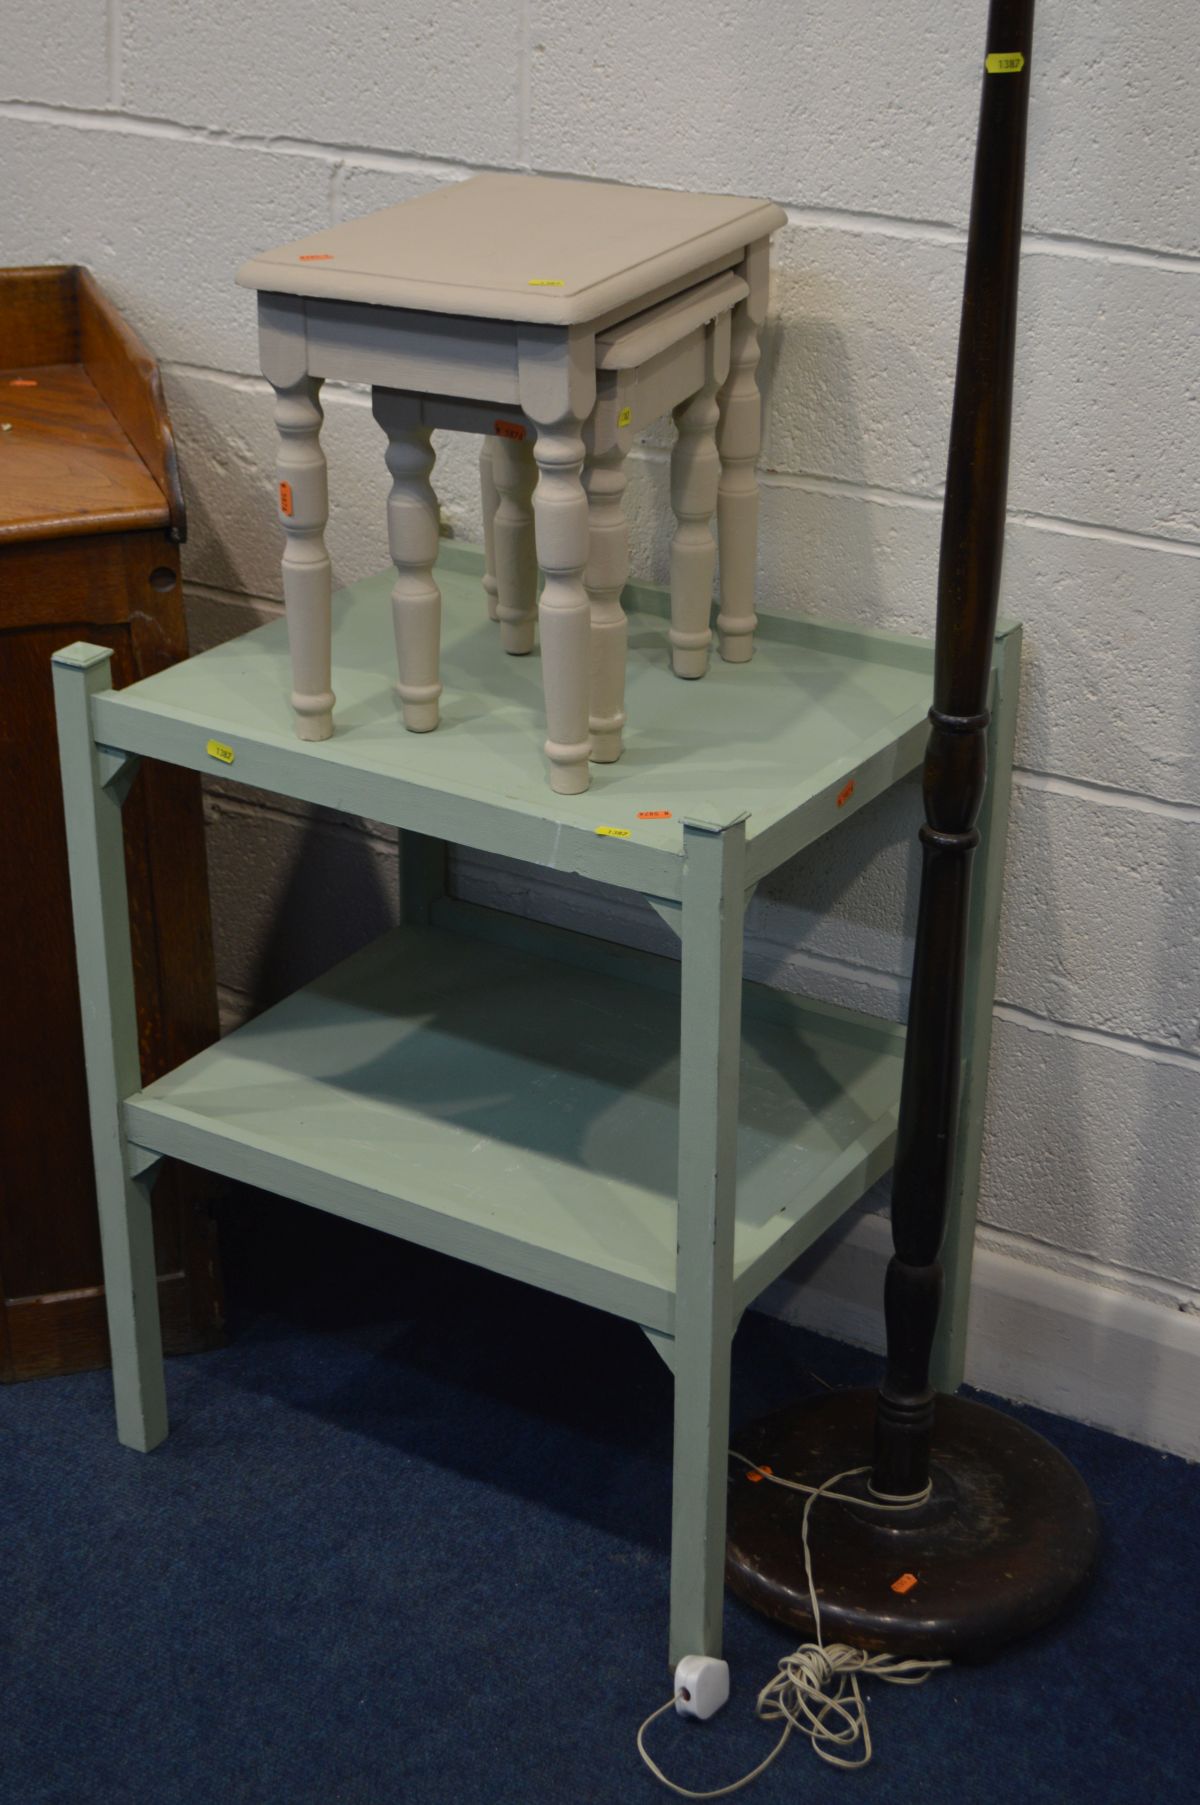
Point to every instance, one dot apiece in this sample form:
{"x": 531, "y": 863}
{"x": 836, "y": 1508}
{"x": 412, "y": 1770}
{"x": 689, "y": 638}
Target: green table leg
{"x": 950, "y": 1346}
{"x": 94, "y": 787}
{"x": 422, "y": 877}
{"x": 710, "y": 1038}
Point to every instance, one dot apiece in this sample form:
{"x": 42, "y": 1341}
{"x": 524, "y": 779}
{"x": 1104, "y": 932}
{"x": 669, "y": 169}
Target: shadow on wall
{"x": 852, "y": 896}
{"x": 808, "y": 370}
{"x": 233, "y": 540}
{"x": 293, "y": 891}
{"x": 333, "y": 900}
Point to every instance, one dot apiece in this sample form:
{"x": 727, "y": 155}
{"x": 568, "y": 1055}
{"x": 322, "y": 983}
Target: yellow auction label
{"x": 1005, "y": 62}
{"x": 215, "y": 749}
{"x": 545, "y": 281}
{"x": 625, "y": 416}
{"x": 614, "y": 833}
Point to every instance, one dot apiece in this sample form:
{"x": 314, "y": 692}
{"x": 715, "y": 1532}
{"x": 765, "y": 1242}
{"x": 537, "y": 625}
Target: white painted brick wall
{"x": 161, "y": 142}
{"x": 409, "y": 75}
{"x": 57, "y": 52}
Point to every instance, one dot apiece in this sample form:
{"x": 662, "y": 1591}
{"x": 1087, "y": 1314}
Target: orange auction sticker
{"x": 509, "y": 429}
{"x": 285, "y": 498}
{"x": 316, "y": 256}
{"x": 654, "y": 814}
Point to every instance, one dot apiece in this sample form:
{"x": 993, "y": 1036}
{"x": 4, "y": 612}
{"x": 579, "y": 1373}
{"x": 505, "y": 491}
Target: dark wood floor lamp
{"x": 1002, "y": 1530}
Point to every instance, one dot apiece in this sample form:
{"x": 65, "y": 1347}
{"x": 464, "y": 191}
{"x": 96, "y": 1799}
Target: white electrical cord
{"x": 816, "y": 1688}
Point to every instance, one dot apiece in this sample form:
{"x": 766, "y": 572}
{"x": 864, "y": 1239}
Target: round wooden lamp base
{"x": 1007, "y": 1537}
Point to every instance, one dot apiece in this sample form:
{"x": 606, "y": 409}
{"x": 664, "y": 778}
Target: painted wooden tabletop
{"x": 517, "y": 247}
{"x": 761, "y": 739}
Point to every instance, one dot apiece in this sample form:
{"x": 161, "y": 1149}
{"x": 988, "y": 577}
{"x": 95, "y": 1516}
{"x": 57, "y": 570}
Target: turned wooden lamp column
{"x": 969, "y": 566}
{"x": 996, "y": 1531}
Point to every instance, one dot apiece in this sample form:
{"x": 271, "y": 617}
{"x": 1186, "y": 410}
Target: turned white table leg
{"x": 695, "y": 471}
{"x": 412, "y": 516}
{"x": 605, "y": 577}
{"x": 489, "y": 500}
{"x": 515, "y": 473}
{"x": 557, "y": 384}
{"x": 739, "y": 438}
{"x": 303, "y": 502}
{"x": 560, "y": 514}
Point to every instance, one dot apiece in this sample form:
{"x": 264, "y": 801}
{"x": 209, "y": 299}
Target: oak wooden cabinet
{"x": 91, "y": 519}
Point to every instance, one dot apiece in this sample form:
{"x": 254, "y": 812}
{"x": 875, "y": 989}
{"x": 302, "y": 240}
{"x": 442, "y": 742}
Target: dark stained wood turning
{"x": 955, "y": 762}
{"x": 1008, "y": 1532}
{"x": 89, "y": 530}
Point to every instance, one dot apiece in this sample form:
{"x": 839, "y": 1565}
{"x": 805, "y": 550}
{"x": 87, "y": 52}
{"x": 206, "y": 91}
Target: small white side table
{"x": 502, "y": 294}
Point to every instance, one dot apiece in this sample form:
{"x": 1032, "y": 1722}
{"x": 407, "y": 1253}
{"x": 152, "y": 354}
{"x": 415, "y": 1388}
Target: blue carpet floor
{"x": 408, "y": 1542}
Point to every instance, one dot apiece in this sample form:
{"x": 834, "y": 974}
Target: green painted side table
{"x": 652, "y": 1136}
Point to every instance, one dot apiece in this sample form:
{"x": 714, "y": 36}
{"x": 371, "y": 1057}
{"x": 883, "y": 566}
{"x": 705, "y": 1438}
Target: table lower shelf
{"x": 519, "y": 1110}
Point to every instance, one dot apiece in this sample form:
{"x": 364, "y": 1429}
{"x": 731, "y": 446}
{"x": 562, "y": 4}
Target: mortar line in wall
{"x": 246, "y": 383}
{"x": 760, "y": 947}
{"x": 242, "y": 380}
{"x": 1107, "y": 795}
{"x": 1043, "y": 243}
{"x": 1033, "y": 241}
{"x": 132, "y": 124}
{"x": 1109, "y": 535}
{"x": 623, "y": 908}
{"x": 236, "y": 598}
{"x": 1107, "y": 1040}
{"x": 870, "y": 1232}
{"x": 336, "y": 175}
{"x": 222, "y": 801}
{"x": 1155, "y": 1051}
{"x": 835, "y": 487}
{"x": 841, "y": 488}
{"x": 1051, "y": 1256}
{"x": 895, "y": 985}
{"x": 872, "y": 1226}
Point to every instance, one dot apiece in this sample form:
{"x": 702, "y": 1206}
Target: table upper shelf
{"x": 518, "y": 247}
{"x": 821, "y": 720}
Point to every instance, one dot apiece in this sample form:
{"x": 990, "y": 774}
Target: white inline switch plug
{"x": 701, "y": 1685}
